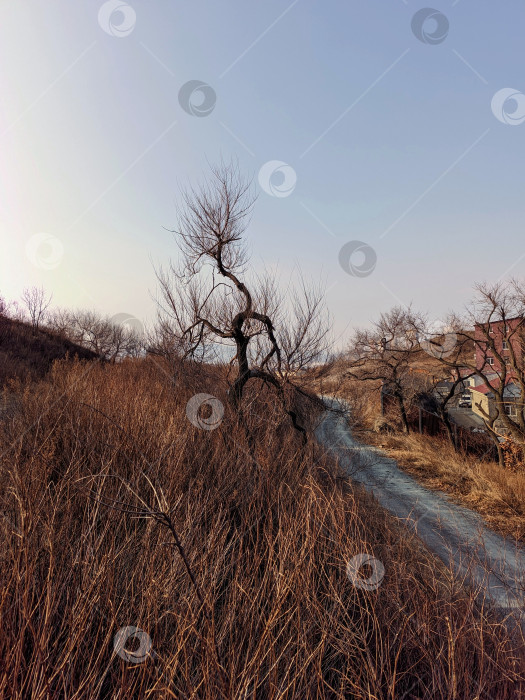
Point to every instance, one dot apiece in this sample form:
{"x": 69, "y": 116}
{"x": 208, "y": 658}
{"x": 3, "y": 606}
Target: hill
{"x": 28, "y": 353}
{"x": 226, "y": 546}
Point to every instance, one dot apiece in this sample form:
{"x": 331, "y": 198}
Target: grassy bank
{"x": 472, "y": 479}
{"x": 496, "y": 493}
{"x": 95, "y": 456}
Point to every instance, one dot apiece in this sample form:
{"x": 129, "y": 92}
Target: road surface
{"x": 466, "y": 418}
{"x": 491, "y": 563}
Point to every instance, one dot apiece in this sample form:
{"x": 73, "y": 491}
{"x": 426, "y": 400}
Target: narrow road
{"x": 465, "y": 418}
{"x": 489, "y": 562}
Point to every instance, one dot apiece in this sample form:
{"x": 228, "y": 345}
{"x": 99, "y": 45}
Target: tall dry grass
{"x": 497, "y": 493}
{"x": 267, "y": 536}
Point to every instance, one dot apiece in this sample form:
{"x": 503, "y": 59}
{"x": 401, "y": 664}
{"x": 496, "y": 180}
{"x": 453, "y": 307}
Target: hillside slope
{"x": 235, "y": 551}
{"x": 27, "y": 352}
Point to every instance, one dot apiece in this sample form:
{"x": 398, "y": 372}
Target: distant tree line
{"x": 109, "y": 339}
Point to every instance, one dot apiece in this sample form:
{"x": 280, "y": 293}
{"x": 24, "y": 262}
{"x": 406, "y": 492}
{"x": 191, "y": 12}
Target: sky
{"x": 386, "y": 141}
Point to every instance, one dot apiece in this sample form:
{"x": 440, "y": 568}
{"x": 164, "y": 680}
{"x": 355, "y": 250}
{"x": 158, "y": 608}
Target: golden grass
{"x": 495, "y": 493}
{"x": 267, "y": 537}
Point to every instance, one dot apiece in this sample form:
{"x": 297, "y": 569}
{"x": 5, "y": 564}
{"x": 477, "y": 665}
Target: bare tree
{"x": 444, "y": 399}
{"x": 111, "y": 341}
{"x": 494, "y": 326}
{"x": 36, "y": 302}
{"x": 209, "y": 302}
{"x": 385, "y": 353}
{"x": 61, "y": 321}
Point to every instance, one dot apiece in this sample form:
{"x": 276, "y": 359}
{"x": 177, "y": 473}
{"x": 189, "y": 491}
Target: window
{"x": 490, "y": 361}
{"x": 505, "y": 345}
{"x": 491, "y": 330}
{"x": 510, "y": 409}
{"x": 507, "y": 361}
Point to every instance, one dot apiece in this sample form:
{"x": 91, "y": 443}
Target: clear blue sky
{"x": 393, "y": 142}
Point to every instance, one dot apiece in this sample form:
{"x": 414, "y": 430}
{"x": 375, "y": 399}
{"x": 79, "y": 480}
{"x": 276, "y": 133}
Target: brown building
{"x": 502, "y": 338}
{"x": 498, "y": 339}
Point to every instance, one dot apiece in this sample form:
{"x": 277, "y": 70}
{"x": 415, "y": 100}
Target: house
{"x": 498, "y": 338}
{"x": 444, "y": 386}
{"x": 483, "y": 401}
{"x": 465, "y": 374}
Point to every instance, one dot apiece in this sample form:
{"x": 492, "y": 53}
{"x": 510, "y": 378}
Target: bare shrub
{"x": 384, "y": 353}
{"x": 512, "y": 455}
{"x": 100, "y": 334}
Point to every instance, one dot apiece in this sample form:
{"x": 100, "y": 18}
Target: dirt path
{"x": 492, "y": 564}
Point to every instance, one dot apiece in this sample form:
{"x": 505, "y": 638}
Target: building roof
{"x": 498, "y": 320}
{"x": 511, "y": 391}
{"x": 481, "y": 388}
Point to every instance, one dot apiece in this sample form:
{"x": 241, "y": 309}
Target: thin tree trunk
{"x": 243, "y": 373}
{"x": 448, "y": 428}
{"x": 501, "y": 456}
{"x": 402, "y": 411}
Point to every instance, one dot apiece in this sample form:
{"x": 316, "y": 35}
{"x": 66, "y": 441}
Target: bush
{"x": 512, "y": 455}
{"x": 381, "y": 425}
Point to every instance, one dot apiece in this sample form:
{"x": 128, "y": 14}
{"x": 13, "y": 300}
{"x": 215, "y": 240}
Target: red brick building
{"x": 495, "y": 338}
{"x": 499, "y": 338}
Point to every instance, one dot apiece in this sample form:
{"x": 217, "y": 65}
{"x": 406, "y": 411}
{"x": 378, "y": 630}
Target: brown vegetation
{"x": 469, "y": 474}
{"x": 94, "y": 457}
{"x": 496, "y": 493}
{"x": 28, "y": 352}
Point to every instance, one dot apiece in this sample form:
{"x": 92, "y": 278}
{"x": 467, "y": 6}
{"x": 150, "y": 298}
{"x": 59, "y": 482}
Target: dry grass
{"x": 267, "y": 540}
{"x": 497, "y": 494}
{"x": 27, "y": 352}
